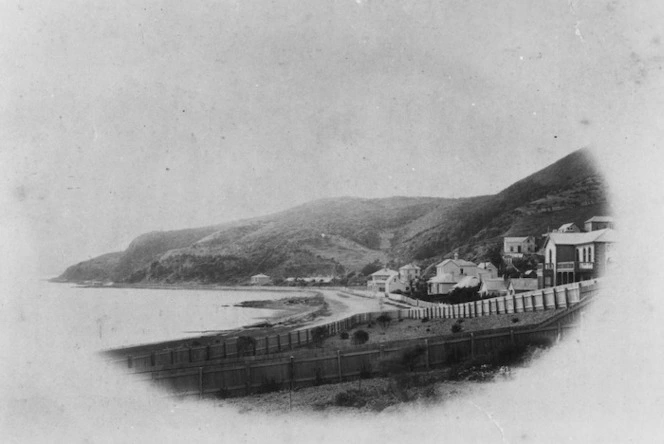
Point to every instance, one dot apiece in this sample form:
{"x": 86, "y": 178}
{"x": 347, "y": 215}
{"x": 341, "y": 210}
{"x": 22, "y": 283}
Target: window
{"x": 511, "y": 249}
{"x": 550, "y": 256}
{"x": 519, "y": 248}
{"x": 577, "y": 255}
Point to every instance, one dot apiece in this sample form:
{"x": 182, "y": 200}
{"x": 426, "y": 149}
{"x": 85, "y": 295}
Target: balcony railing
{"x": 575, "y": 266}
{"x": 564, "y": 266}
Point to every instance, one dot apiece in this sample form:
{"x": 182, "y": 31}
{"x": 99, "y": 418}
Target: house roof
{"x": 458, "y": 263}
{"x": 445, "y": 278}
{"x": 468, "y": 282}
{"x": 260, "y": 276}
{"x": 410, "y": 267}
{"x": 486, "y": 266}
{"x": 517, "y": 239}
{"x": 605, "y": 235}
{"x": 600, "y": 219}
{"x": 524, "y": 284}
{"x": 497, "y": 284}
{"x": 384, "y": 271}
{"x": 566, "y": 226}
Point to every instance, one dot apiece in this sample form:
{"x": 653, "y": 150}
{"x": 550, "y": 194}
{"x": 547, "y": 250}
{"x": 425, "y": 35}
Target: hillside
{"x": 342, "y": 235}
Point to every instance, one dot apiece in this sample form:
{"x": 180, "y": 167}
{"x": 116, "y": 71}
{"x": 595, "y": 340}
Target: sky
{"x": 119, "y": 118}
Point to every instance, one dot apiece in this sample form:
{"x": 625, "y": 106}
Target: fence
{"x": 287, "y": 372}
{"x": 564, "y": 296}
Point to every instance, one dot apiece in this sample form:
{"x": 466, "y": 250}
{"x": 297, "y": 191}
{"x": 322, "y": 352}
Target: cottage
{"x": 570, "y": 227}
{"x": 524, "y": 284}
{"x": 496, "y": 287}
{"x": 487, "y": 270}
{"x": 379, "y": 279}
{"x": 260, "y": 279}
{"x": 574, "y": 257}
{"x": 598, "y": 223}
{"x": 516, "y": 247}
{"x": 449, "y": 272}
{"x": 409, "y": 272}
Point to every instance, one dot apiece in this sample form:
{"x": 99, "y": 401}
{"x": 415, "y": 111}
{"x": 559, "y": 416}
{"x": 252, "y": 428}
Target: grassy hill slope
{"x": 341, "y": 235}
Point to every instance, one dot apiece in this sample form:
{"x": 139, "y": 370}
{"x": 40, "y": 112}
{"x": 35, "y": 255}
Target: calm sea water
{"x": 101, "y": 318}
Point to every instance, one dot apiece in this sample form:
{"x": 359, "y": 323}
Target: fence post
{"x": 426, "y": 352}
{"x": 560, "y": 330}
{"x": 291, "y": 371}
{"x": 566, "y": 298}
{"x": 200, "y": 382}
{"x": 341, "y": 378}
{"x": 247, "y": 375}
{"x": 472, "y": 344}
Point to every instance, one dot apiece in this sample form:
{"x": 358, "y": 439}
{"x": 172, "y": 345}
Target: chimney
{"x": 456, "y": 255}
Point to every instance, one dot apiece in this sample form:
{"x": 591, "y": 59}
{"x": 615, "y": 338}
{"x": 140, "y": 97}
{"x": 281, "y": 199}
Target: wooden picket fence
{"x": 217, "y": 370}
{"x": 564, "y": 296}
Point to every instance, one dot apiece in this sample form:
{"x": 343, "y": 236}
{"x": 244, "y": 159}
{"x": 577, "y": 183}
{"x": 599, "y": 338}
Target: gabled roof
{"x": 605, "y": 235}
{"x": 260, "y": 276}
{"x": 486, "y": 266}
{"x": 384, "y": 271}
{"x": 600, "y": 219}
{"x": 566, "y": 226}
{"x": 518, "y": 239}
{"x": 410, "y": 267}
{"x": 497, "y": 284}
{"x": 458, "y": 263}
{"x": 468, "y": 282}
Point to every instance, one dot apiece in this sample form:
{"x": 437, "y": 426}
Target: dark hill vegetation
{"x": 342, "y": 235}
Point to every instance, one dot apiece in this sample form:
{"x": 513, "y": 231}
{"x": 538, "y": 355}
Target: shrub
{"x": 456, "y": 328}
{"x": 360, "y": 337}
{"x": 344, "y": 335}
{"x": 350, "y": 398}
{"x": 515, "y": 319}
{"x": 425, "y": 319}
{"x": 384, "y": 320}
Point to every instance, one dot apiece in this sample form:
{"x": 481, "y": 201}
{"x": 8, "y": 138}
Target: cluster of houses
{"x": 570, "y": 255}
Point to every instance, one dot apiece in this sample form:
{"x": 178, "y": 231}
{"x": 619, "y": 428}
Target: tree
{"x": 384, "y": 320}
{"x": 360, "y": 337}
{"x": 371, "y": 268}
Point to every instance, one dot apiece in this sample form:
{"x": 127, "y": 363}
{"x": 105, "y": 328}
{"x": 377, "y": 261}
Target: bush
{"x": 456, "y": 328}
{"x": 515, "y": 319}
{"x": 351, "y": 398}
{"x": 360, "y": 337}
{"x": 344, "y": 335}
{"x": 425, "y": 319}
{"x": 384, "y": 320}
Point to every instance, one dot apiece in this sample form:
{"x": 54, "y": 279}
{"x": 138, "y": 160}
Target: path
{"x": 342, "y": 305}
